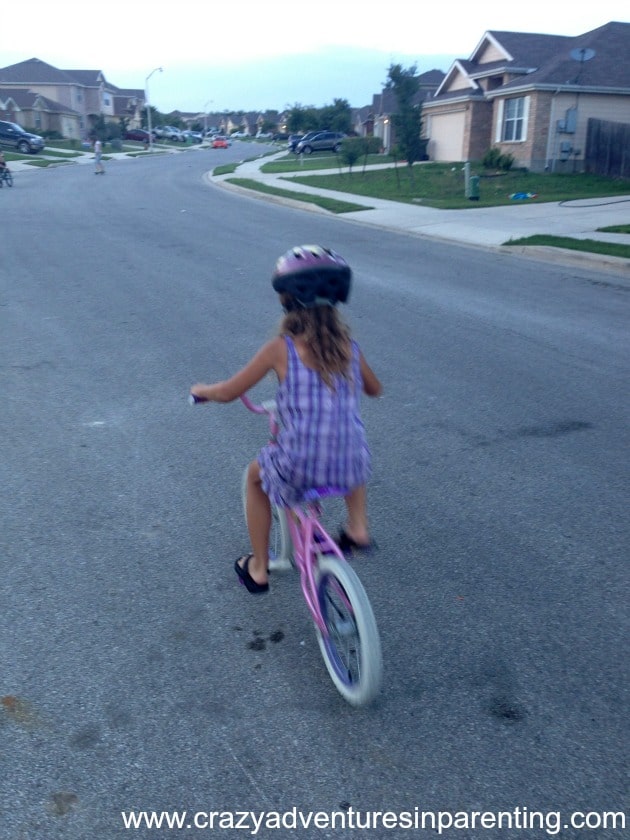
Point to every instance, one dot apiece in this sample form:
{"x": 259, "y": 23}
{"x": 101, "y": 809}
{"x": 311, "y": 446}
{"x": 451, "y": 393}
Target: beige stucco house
{"x": 37, "y": 95}
{"x": 531, "y": 96}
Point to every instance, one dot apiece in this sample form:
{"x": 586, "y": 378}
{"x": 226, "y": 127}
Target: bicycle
{"x": 344, "y": 621}
{"x": 6, "y": 177}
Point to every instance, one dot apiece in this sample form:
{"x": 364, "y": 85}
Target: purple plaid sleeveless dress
{"x": 322, "y": 440}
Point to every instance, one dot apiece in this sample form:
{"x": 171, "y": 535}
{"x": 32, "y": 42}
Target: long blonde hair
{"x": 323, "y": 331}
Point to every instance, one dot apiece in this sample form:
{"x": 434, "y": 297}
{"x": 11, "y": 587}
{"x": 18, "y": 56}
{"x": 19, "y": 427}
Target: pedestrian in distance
{"x": 98, "y": 155}
{"x": 3, "y": 168}
{"x": 321, "y": 374}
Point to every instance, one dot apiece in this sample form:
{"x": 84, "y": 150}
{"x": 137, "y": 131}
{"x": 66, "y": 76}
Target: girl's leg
{"x": 356, "y": 505}
{"x": 258, "y": 523}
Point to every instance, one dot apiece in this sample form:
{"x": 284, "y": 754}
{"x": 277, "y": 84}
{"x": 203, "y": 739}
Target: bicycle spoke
{"x": 343, "y": 631}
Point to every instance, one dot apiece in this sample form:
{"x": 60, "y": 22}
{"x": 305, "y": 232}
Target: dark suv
{"x": 13, "y": 135}
{"x": 320, "y": 141}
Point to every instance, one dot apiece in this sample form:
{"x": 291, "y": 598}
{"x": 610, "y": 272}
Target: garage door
{"x": 447, "y": 136}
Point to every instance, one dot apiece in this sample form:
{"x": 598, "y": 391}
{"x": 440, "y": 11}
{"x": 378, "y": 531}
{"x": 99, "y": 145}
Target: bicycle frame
{"x": 308, "y": 535}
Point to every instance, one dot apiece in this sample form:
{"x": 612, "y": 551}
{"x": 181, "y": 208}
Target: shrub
{"x": 351, "y": 150}
{"x": 506, "y": 162}
{"x": 491, "y": 158}
{"x": 495, "y": 159}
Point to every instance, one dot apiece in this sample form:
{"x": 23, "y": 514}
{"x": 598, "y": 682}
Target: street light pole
{"x": 148, "y": 106}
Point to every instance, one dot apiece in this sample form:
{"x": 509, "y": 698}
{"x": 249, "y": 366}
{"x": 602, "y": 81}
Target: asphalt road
{"x": 136, "y": 674}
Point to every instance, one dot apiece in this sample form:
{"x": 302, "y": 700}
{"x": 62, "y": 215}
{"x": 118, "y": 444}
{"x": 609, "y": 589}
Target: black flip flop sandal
{"x": 246, "y": 579}
{"x": 348, "y": 545}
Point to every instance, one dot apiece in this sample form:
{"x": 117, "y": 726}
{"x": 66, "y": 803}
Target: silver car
{"x": 320, "y": 142}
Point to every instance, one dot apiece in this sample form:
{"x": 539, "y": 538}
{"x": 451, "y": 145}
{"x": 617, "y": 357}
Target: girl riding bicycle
{"x": 321, "y": 373}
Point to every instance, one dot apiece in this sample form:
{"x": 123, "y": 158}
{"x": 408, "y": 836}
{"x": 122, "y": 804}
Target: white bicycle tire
{"x": 370, "y": 661}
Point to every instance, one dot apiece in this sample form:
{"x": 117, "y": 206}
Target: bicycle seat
{"x": 316, "y": 493}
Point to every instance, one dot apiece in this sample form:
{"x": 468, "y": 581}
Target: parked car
{"x": 263, "y": 135}
{"x": 239, "y": 135}
{"x": 219, "y": 142}
{"x": 168, "y": 132}
{"x": 140, "y": 134}
{"x": 14, "y": 136}
{"x": 320, "y": 142}
{"x": 193, "y": 136}
{"x": 294, "y": 139}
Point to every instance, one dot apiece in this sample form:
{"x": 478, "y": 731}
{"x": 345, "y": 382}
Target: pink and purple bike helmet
{"x": 313, "y": 275}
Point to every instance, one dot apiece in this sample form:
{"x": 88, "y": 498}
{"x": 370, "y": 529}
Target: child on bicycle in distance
{"x": 321, "y": 373}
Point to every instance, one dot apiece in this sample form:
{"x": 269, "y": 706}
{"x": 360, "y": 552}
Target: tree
{"x": 301, "y": 119}
{"x": 407, "y": 121}
{"x": 336, "y": 117}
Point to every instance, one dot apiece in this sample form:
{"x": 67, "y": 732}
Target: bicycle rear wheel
{"x": 280, "y": 546}
{"x": 352, "y": 647}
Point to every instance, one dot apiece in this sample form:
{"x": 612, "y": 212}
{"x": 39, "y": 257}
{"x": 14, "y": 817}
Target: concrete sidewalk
{"x": 489, "y": 227}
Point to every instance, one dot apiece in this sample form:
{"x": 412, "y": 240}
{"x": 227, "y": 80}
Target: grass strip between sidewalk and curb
{"x": 330, "y": 204}
{"x": 591, "y": 246}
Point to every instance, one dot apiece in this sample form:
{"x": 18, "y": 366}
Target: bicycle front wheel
{"x": 8, "y": 179}
{"x": 280, "y": 546}
{"x": 351, "y": 648}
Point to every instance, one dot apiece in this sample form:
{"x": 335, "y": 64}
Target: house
{"x": 78, "y": 96}
{"x": 378, "y": 120}
{"x": 531, "y": 96}
{"x": 37, "y": 113}
{"x": 363, "y": 121}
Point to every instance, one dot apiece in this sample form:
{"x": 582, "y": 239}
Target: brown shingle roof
{"x": 608, "y": 68}
{"x": 545, "y": 60}
{"x": 33, "y": 71}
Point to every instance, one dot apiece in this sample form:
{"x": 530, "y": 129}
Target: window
{"x": 514, "y": 119}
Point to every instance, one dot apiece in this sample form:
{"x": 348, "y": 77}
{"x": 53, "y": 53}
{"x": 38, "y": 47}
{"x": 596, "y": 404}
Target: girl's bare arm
{"x": 266, "y": 359}
{"x": 371, "y": 384}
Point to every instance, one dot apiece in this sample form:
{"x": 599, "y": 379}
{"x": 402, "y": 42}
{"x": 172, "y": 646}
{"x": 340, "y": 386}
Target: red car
{"x": 219, "y": 143}
{"x": 139, "y": 134}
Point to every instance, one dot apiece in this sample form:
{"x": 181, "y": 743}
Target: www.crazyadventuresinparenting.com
{"x": 440, "y": 822}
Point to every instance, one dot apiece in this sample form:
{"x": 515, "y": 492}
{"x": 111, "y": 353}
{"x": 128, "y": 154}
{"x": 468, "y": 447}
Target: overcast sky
{"x": 237, "y": 54}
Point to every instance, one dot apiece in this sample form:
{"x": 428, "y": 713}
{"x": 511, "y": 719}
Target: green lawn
{"x": 330, "y": 204}
{"x": 319, "y": 160}
{"x": 591, "y": 246}
{"x": 443, "y": 185}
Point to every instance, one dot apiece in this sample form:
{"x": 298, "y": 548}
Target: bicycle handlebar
{"x": 266, "y": 407}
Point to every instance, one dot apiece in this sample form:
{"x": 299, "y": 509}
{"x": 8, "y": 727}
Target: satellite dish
{"x": 582, "y": 54}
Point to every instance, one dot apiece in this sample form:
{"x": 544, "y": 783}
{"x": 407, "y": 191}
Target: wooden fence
{"x": 607, "y": 148}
